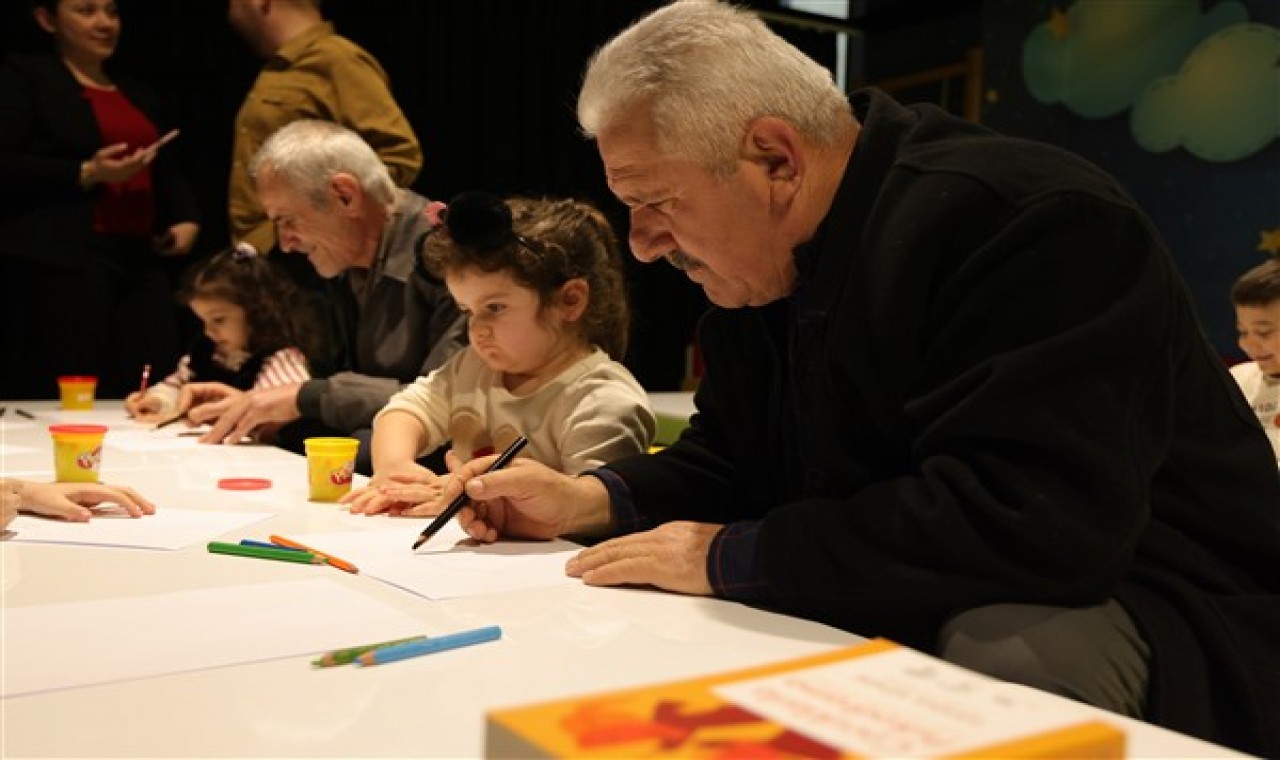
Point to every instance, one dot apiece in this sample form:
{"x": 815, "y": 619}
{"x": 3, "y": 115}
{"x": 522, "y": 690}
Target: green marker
{"x": 349, "y": 655}
{"x": 262, "y": 552}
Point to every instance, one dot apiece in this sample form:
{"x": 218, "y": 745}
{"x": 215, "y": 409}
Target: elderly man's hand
{"x": 205, "y": 402}
{"x": 526, "y": 500}
{"x": 239, "y": 416}
{"x": 672, "y": 556}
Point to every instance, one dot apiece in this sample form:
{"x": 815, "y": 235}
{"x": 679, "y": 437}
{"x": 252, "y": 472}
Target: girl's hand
{"x": 424, "y": 500}
{"x": 143, "y": 407}
{"x": 415, "y": 499}
{"x": 133, "y": 403}
{"x": 371, "y": 500}
{"x": 9, "y": 502}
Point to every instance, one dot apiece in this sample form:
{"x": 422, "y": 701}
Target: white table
{"x": 556, "y": 641}
{"x": 673, "y": 410}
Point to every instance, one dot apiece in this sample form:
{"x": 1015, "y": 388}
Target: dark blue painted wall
{"x": 1212, "y": 214}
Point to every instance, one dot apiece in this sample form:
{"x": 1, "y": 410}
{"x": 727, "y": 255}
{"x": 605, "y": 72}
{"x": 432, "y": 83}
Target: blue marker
{"x": 429, "y": 646}
{"x": 265, "y": 544}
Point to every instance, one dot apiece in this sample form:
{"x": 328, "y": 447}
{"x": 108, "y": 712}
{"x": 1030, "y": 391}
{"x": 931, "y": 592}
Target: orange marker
{"x": 341, "y": 564}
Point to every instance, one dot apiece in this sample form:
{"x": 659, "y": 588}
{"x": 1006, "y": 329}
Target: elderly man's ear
{"x": 773, "y": 145}
{"x": 346, "y": 193}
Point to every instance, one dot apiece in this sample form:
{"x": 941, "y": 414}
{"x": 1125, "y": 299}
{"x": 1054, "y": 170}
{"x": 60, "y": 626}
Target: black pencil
{"x": 25, "y": 413}
{"x": 462, "y": 499}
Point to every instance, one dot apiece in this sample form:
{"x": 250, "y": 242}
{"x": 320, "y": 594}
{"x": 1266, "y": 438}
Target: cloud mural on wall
{"x": 1224, "y": 103}
{"x": 1098, "y": 56}
{"x": 1204, "y": 80}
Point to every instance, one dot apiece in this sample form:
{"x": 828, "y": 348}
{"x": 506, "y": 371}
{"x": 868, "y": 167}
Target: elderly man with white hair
{"x": 332, "y": 199}
{"x": 955, "y": 393}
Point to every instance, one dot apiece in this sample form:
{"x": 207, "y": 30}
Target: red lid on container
{"x": 244, "y": 484}
{"x": 80, "y": 429}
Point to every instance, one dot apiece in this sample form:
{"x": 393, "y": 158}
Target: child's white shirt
{"x": 592, "y": 413}
{"x": 1263, "y": 394}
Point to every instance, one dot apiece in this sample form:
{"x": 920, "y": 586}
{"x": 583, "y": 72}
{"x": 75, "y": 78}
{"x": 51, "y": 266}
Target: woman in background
{"x": 89, "y": 201}
{"x": 258, "y": 332}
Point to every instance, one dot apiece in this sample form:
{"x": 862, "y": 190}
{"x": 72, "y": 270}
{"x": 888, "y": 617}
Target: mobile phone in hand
{"x": 163, "y": 141}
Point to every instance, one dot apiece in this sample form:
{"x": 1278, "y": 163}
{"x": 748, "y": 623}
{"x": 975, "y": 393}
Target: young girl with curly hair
{"x": 257, "y": 332}
{"x": 540, "y": 281}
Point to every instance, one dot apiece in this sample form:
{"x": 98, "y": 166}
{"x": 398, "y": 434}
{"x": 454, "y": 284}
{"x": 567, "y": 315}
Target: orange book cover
{"x": 872, "y": 700}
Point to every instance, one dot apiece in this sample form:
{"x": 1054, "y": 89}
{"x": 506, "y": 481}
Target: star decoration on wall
{"x": 1270, "y": 242}
{"x": 1059, "y": 23}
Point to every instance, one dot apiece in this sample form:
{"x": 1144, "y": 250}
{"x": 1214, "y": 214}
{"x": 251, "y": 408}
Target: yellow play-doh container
{"x": 77, "y": 391}
{"x": 331, "y": 462}
{"x": 77, "y": 452}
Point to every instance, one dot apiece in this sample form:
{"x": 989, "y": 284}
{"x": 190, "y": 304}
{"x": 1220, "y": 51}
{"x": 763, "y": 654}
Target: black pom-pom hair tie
{"x": 473, "y": 219}
{"x": 477, "y": 220}
{"x": 482, "y": 220}
{"x": 481, "y": 232}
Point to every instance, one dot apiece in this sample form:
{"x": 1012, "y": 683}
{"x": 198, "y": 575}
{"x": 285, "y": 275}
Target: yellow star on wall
{"x": 1270, "y": 242}
{"x": 1059, "y": 23}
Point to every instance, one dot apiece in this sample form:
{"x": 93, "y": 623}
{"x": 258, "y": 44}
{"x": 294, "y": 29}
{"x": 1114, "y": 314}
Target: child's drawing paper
{"x": 111, "y": 526}
{"x": 59, "y": 646}
{"x": 450, "y": 564}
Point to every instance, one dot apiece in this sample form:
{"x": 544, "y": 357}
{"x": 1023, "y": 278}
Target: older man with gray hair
{"x": 332, "y": 199}
{"x": 955, "y": 393}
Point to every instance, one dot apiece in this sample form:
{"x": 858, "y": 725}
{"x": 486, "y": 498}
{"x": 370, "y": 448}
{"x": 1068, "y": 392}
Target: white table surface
{"x": 556, "y": 641}
{"x": 674, "y": 404}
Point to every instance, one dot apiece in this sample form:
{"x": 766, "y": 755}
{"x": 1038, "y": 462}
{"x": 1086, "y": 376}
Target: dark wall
{"x": 904, "y": 37}
{"x": 1215, "y": 215}
{"x": 488, "y": 85}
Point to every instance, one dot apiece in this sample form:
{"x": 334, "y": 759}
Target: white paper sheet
{"x": 150, "y": 440}
{"x": 114, "y": 417}
{"x": 452, "y": 565}
{"x": 9, "y": 449}
{"x": 172, "y": 438}
{"x": 14, "y": 425}
{"x": 57, "y": 646}
{"x": 167, "y": 529}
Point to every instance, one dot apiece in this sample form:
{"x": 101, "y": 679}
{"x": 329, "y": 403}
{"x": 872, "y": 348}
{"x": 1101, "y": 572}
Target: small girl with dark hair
{"x": 540, "y": 281}
{"x": 1256, "y": 297}
{"x": 257, "y": 332}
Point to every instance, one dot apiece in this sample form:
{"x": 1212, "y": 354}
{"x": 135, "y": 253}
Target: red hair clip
{"x": 434, "y": 211}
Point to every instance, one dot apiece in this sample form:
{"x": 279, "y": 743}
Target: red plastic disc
{"x": 244, "y": 484}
